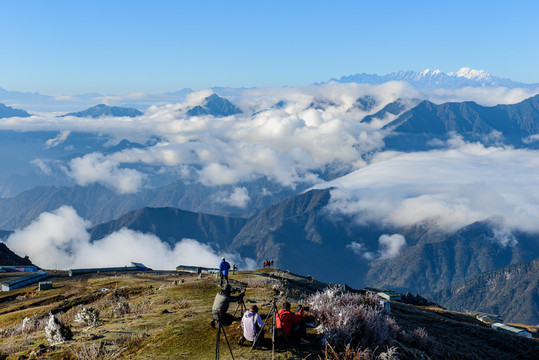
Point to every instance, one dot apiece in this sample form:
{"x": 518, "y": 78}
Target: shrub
{"x": 347, "y": 354}
{"x": 182, "y": 304}
{"x": 390, "y": 354}
{"x": 31, "y": 324}
{"x": 16, "y": 343}
{"x": 56, "y": 331}
{"x": 96, "y": 351}
{"x": 88, "y": 317}
{"x": 120, "y": 309}
{"x": 142, "y": 307}
{"x": 131, "y": 341}
{"x": 420, "y": 339}
{"x": 359, "y": 320}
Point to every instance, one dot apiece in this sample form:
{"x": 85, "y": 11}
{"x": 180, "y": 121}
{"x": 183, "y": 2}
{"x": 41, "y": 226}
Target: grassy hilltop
{"x": 166, "y": 316}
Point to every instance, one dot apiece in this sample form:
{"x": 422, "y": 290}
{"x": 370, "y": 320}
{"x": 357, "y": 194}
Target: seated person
{"x": 289, "y": 323}
{"x": 221, "y": 303}
{"x": 252, "y": 324}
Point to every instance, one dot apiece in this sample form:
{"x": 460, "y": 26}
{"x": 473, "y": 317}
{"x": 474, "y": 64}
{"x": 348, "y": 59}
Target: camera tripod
{"x": 272, "y": 314}
{"x": 241, "y": 306}
{"x": 220, "y": 327}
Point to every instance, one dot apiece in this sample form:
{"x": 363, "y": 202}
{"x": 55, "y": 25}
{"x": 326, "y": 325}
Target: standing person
{"x": 251, "y": 323}
{"x": 223, "y": 270}
{"x": 221, "y": 303}
{"x": 234, "y": 268}
{"x": 289, "y": 323}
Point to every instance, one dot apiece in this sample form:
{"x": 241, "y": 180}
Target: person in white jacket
{"x": 251, "y": 323}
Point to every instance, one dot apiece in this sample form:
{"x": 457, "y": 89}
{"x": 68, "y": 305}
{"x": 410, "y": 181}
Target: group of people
{"x": 289, "y": 323}
{"x": 268, "y": 263}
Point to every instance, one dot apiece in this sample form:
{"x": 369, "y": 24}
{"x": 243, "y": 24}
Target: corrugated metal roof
{"x": 38, "y": 275}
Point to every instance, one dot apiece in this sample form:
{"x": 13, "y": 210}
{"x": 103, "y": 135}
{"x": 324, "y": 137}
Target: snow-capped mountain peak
{"x": 428, "y": 73}
{"x": 430, "y": 78}
{"x": 471, "y": 74}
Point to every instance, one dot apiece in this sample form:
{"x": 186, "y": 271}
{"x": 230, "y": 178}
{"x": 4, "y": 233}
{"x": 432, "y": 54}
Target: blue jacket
{"x": 223, "y": 267}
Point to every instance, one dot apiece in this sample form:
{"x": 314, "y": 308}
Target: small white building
{"x": 511, "y": 329}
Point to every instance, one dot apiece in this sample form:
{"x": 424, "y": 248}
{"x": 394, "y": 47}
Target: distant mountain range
{"x": 512, "y": 291}
{"x": 105, "y": 110}
{"x": 8, "y": 111}
{"x": 512, "y": 124}
{"x": 100, "y": 204}
{"x": 427, "y": 79}
{"x": 437, "y": 79}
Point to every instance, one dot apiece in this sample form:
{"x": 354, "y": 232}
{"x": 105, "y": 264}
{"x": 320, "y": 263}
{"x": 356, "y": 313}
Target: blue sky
{"x": 70, "y": 47}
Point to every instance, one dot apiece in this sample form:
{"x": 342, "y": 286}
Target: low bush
{"x": 96, "y": 351}
{"x": 32, "y": 324}
{"x": 359, "y": 320}
{"x": 56, "y": 331}
{"x": 131, "y": 341}
{"x": 88, "y": 317}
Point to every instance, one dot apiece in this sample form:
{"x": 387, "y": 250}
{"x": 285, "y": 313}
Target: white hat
{"x": 222, "y": 258}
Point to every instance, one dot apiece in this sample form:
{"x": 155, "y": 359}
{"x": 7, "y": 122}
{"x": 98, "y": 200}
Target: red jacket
{"x": 285, "y": 319}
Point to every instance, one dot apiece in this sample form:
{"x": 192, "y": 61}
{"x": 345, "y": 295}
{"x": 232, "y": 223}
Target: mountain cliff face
{"x": 511, "y": 291}
{"x": 104, "y": 110}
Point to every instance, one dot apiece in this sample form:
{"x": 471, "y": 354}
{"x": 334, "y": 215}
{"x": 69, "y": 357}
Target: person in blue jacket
{"x": 223, "y": 270}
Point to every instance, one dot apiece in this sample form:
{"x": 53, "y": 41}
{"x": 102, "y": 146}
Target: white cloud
{"x": 454, "y": 188}
{"x": 42, "y": 165}
{"x": 60, "y": 239}
{"x": 486, "y": 95}
{"x": 217, "y": 174}
{"x": 237, "y": 198}
{"x": 95, "y": 167}
{"x": 360, "y": 250}
{"x": 62, "y": 136}
{"x": 391, "y": 245}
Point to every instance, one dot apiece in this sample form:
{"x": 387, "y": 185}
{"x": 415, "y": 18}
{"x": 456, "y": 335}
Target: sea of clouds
{"x": 454, "y": 185}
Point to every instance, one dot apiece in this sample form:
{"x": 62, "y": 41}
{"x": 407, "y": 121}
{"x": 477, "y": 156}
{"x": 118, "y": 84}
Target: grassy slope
{"x": 170, "y": 321}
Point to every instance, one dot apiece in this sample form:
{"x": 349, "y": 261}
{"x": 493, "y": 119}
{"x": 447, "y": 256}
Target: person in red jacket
{"x": 289, "y": 323}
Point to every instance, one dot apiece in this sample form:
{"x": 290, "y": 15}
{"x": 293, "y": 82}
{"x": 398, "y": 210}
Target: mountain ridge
{"x": 105, "y": 110}
{"x": 516, "y": 123}
{"x": 429, "y": 79}
{"x": 8, "y": 111}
